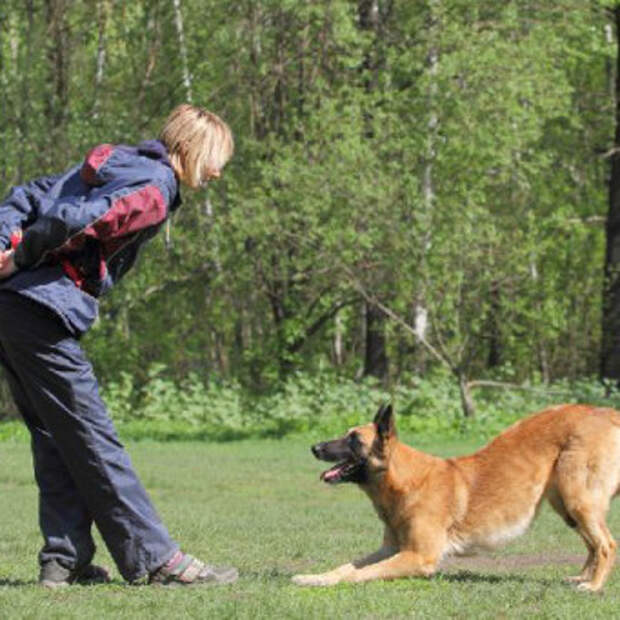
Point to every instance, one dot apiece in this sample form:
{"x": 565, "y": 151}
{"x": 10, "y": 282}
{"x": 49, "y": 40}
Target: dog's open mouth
{"x": 347, "y": 471}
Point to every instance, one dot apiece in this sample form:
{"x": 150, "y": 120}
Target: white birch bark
{"x": 187, "y": 79}
{"x": 102, "y": 18}
{"x": 178, "y": 22}
{"x": 543, "y": 359}
{"x": 338, "y": 349}
{"x": 428, "y": 191}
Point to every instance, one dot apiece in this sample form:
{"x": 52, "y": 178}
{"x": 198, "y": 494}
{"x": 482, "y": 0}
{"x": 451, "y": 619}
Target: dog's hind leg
{"x": 556, "y": 502}
{"x": 593, "y": 529}
{"x": 589, "y": 515}
{"x": 587, "y": 569}
{"x": 586, "y": 488}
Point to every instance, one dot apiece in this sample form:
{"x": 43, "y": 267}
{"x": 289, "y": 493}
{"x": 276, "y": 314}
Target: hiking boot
{"x": 185, "y": 570}
{"x": 55, "y": 575}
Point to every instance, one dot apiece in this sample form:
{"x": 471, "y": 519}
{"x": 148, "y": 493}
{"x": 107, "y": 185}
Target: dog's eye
{"x": 353, "y": 441}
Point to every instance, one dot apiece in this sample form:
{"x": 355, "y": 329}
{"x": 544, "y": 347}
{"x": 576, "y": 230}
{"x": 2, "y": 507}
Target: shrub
{"x": 319, "y": 406}
{"x": 325, "y": 404}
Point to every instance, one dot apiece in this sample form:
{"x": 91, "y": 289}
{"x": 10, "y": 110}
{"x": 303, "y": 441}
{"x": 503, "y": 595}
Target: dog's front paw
{"x": 314, "y": 580}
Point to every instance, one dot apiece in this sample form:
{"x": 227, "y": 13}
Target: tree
{"x": 610, "y": 353}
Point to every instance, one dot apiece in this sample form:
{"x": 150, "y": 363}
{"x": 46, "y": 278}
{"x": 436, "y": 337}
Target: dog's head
{"x": 362, "y": 454}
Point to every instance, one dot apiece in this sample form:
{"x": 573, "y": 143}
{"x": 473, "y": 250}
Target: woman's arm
{"x": 20, "y": 207}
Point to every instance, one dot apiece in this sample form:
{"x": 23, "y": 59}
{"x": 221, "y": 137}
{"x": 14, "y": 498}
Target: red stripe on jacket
{"x": 94, "y": 160}
{"x": 16, "y": 238}
{"x": 127, "y": 215}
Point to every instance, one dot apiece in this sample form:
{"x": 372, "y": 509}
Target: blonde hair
{"x": 197, "y": 141}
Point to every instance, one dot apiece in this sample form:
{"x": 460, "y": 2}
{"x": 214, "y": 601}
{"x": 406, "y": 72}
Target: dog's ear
{"x": 384, "y": 419}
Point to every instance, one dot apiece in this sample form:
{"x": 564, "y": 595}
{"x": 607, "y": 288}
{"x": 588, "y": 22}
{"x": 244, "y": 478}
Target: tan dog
{"x": 433, "y": 507}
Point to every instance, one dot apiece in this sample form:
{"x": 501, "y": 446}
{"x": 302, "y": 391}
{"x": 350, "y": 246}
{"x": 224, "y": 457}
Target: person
{"x": 64, "y": 241}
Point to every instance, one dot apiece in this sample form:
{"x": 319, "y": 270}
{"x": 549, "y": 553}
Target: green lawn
{"x": 259, "y": 505}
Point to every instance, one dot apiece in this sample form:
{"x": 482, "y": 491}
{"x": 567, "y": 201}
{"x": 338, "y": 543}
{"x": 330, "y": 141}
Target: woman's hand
{"x": 7, "y": 264}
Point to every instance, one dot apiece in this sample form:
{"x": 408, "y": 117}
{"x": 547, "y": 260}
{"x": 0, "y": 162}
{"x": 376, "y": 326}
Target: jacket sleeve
{"x": 109, "y": 213}
{"x": 20, "y": 207}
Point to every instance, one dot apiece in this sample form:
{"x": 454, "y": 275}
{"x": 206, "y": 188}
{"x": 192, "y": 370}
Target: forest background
{"x": 422, "y": 204}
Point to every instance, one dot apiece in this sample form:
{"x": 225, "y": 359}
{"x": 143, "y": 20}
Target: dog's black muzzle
{"x": 349, "y": 467}
{"x": 332, "y": 451}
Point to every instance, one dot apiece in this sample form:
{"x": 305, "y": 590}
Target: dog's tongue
{"x": 332, "y": 475}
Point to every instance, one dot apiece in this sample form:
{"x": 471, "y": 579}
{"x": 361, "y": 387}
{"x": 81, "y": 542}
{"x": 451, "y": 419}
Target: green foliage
{"x": 13, "y": 430}
{"x": 439, "y": 155}
{"x": 320, "y": 405}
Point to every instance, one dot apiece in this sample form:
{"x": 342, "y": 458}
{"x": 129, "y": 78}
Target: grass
{"x": 259, "y": 504}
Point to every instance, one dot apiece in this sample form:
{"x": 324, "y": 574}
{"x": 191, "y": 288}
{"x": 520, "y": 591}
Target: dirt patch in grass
{"x": 510, "y": 562}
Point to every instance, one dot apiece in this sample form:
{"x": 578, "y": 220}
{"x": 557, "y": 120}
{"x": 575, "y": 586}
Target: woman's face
{"x": 209, "y": 174}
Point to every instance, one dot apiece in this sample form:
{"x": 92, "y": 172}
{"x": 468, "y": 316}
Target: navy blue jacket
{"x": 79, "y": 232}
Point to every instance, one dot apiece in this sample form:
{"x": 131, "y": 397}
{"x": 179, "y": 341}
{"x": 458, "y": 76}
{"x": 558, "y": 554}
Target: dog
{"x": 433, "y": 507}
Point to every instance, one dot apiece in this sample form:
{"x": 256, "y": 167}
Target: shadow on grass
{"x": 462, "y": 576}
{"x": 466, "y": 576}
{"x": 21, "y": 583}
{"x": 16, "y": 583}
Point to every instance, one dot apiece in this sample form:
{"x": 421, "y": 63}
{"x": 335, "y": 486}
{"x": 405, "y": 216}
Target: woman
{"x": 64, "y": 241}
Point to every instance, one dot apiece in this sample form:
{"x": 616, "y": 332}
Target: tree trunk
{"x": 7, "y": 404}
{"x": 420, "y": 310}
{"x": 467, "y": 402}
{"x": 102, "y": 22}
{"x": 178, "y": 22}
{"x": 257, "y": 115}
{"x": 154, "y": 35}
{"x": 58, "y": 56}
{"x": 370, "y": 19}
{"x": 610, "y": 346}
{"x": 375, "y": 361}
{"x": 539, "y": 343}
{"x": 23, "y": 124}
{"x": 494, "y": 358}
{"x": 337, "y": 342}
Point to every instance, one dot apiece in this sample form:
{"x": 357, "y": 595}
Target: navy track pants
{"x": 82, "y": 470}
